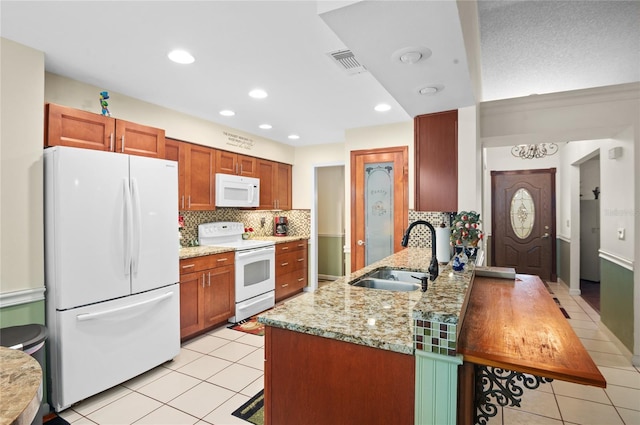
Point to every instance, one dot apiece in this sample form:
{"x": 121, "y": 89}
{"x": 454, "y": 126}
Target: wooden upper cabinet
{"x": 81, "y": 129}
{"x": 275, "y": 185}
{"x": 199, "y": 174}
{"x": 66, "y": 126}
{"x": 233, "y": 163}
{"x": 196, "y": 174}
{"x": 283, "y": 182}
{"x": 141, "y": 140}
{"x": 436, "y": 161}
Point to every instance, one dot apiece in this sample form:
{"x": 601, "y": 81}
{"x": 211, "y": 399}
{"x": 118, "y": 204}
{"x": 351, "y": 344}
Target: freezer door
{"x": 96, "y": 347}
{"x": 155, "y": 248}
{"x": 86, "y": 238}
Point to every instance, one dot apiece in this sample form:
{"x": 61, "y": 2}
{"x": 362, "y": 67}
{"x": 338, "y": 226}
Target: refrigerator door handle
{"x": 93, "y": 316}
{"x": 128, "y": 213}
{"x": 137, "y": 225}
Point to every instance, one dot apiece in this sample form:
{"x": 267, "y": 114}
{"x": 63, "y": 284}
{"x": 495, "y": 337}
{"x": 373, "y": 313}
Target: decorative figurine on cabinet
{"x": 104, "y": 104}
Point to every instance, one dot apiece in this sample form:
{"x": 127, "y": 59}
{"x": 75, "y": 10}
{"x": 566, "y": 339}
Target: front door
{"x": 379, "y": 203}
{"x": 523, "y": 221}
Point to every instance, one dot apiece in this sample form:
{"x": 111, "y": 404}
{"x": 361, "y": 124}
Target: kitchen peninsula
{"x": 373, "y": 356}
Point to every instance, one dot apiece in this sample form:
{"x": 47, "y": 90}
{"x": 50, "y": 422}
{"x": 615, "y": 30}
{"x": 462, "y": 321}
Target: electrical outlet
{"x": 621, "y": 233}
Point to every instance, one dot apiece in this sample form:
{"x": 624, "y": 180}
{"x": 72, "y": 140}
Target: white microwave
{"x": 237, "y": 191}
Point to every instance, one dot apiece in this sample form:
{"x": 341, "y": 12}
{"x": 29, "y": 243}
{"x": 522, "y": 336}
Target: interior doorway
{"x": 590, "y": 232}
{"x": 326, "y": 252}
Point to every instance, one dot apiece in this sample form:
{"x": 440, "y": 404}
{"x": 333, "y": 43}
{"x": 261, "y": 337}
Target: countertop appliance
{"x": 237, "y": 191}
{"x": 255, "y": 281}
{"x": 111, "y": 269}
{"x": 280, "y": 226}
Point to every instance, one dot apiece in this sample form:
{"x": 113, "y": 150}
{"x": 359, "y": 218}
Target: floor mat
{"x": 250, "y": 326}
{"x": 253, "y": 410}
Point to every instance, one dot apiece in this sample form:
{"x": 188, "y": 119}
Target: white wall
{"x": 589, "y": 178}
{"x": 305, "y": 159}
{"x": 331, "y": 200}
{"x": 469, "y": 160}
{"x": 21, "y": 185}
{"x": 177, "y": 125}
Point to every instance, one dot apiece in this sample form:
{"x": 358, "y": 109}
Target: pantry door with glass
{"x": 379, "y": 203}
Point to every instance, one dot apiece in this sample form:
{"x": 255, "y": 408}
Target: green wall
{"x": 616, "y": 301}
{"x": 23, "y": 314}
{"x": 330, "y": 258}
{"x": 563, "y": 260}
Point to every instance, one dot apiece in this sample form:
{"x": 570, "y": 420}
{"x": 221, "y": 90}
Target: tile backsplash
{"x": 299, "y": 221}
{"x": 420, "y": 235}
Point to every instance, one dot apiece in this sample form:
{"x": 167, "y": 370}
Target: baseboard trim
{"x": 328, "y": 277}
{"x": 8, "y": 299}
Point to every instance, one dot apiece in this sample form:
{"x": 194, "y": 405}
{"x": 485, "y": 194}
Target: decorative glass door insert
{"x": 378, "y": 211}
{"x": 522, "y": 213}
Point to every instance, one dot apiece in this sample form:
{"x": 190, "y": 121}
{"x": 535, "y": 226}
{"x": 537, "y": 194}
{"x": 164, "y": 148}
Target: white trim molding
{"x": 616, "y": 259}
{"x": 567, "y": 239}
{"x": 8, "y": 299}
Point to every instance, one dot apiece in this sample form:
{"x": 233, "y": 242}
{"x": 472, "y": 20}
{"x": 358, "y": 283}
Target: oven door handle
{"x": 253, "y": 252}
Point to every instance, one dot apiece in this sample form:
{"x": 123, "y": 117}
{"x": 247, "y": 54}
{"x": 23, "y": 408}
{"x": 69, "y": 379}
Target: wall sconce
{"x": 538, "y": 150}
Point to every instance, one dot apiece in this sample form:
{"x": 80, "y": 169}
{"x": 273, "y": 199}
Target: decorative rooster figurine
{"x": 104, "y": 104}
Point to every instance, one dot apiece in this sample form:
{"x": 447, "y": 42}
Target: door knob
{"x": 545, "y": 236}
{"x": 360, "y": 242}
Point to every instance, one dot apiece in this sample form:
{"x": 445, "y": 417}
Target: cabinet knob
{"x": 284, "y": 285}
{"x": 188, "y": 266}
{"x": 360, "y": 242}
{"x": 222, "y": 259}
{"x": 284, "y": 264}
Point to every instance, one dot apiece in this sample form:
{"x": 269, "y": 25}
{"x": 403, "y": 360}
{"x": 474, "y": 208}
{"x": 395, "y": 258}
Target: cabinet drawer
{"x": 190, "y": 265}
{"x": 290, "y": 262}
{"x": 291, "y": 246}
{"x": 290, "y": 283}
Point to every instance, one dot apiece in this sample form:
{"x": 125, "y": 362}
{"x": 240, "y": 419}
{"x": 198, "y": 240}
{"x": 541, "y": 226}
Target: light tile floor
{"x": 219, "y": 371}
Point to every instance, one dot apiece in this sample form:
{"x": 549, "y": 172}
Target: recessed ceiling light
{"x": 382, "y": 107}
{"x": 265, "y": 126}
{"x": 294, "y": 137}
{"x": 258, "y": 94}
{"x": 411, "y": 55}
{"x": 181, "y": 56}
{"x": 227, "y": 113}
{"x": 428, "y": 90}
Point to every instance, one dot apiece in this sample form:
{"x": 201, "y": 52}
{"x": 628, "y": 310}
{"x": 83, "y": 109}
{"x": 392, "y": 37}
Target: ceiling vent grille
{"x": 347, "y": 61}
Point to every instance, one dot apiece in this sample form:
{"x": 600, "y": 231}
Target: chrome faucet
{"x": 433, "y": 266}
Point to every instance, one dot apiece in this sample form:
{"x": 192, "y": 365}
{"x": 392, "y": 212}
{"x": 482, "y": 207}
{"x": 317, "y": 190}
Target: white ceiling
{"x": 281, "y": 46}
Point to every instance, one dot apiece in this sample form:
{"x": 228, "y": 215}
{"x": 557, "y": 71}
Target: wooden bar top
{"x": 516, "y": 325}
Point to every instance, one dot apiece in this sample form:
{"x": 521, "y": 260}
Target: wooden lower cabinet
{"x": 207, "y": 293}
{"x": 291, "y": 268}
{"x": 315, "y": 380}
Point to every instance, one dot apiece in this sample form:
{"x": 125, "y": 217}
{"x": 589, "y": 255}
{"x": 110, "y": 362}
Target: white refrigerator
{"x": 111, "y": 269}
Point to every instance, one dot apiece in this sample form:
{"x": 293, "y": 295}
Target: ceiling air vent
{"x": 347, "y": 61}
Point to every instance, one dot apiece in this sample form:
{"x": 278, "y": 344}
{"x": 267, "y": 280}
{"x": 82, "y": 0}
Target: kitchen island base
{"x": 316, "y": 380}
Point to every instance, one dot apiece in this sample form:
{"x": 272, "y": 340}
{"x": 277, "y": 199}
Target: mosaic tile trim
{"x": 261, "y": 221}
{"x": 421, "y": 235}
{"x": 435, "y": 337}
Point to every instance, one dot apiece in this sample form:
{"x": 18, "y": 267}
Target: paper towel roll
{"x": 443, "y": 249}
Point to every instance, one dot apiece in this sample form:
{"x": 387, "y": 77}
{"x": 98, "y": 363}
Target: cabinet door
{"x": 436, "y": 159}
{"x": 218, "y": 295}
{"x": 283, "y": 186}
{"x": 226, "y": 162}
{"x": 247, "y": 166}
{"x": 79, "y": 129}
{"x": 267, "y": 175}
{"x": 174, "y": 151}
{"x": 199, "y": 178}
{"x": 190, "y": 304}
{"x": 137, "y": 139}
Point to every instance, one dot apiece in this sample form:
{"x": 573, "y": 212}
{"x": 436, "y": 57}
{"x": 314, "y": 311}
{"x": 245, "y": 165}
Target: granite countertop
{"x": 20, "y": 386}
{"x": 199, "y": 251}
{"x": 372, "y": 317}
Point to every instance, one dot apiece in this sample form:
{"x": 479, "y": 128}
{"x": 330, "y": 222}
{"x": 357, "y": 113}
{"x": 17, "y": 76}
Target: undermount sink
{"x": 388, "y": 285}
{"x": 391, "y": 279}
{"x": 388, "y": 273}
